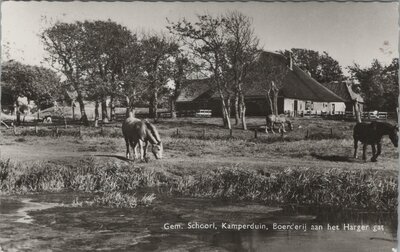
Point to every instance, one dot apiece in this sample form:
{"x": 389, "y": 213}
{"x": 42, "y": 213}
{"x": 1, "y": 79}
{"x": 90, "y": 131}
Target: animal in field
{"x": 281, "y": 120}
{"x": 47, "y": 119}
{"x": 139, "y": 133}
{"x": 372, "y": 134}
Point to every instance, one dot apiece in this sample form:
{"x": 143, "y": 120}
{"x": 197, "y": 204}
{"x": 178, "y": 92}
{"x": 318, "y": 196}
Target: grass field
{"x": 197, "y": 147}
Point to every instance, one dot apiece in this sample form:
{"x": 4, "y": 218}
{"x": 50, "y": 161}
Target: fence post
{"x": 56, "y": 131}
{"x": 255, "y": 133}
{"x": 282, "y": 134}
{"x": 204, "y": 133}
{"x": 177, "y": 131}
{"x": 307, "y": 134}
{"x": 230, "y": 132}
{"x": 15, "y": 130}
{"x": 36, "y": 130}
{"x": 331, "y": 132}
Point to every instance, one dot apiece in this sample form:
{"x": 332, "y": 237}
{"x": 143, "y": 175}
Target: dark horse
{"x": 371, "y": 134}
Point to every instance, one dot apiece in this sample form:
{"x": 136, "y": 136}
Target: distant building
{"x": 300, "y": 94}
{"x": 343, "y": 90}
{"x": 7, "y": 100}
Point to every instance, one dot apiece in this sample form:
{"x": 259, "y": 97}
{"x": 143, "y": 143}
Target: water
{"x": 48, "y": 222}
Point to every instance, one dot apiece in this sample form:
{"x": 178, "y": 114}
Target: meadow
{"x": 311, "y": 165}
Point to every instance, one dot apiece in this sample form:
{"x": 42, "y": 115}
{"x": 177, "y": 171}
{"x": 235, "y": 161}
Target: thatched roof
{"x": 297, "y": 85}
{"x": 194, "y": 89}
{"x": 300, "y": 85}
{"x": 344, "y": 90}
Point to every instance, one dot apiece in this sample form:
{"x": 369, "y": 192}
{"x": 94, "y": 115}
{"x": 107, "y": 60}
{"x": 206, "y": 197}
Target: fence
{"x": 377, "y": 115}
{"x": 342, "y": 114}
{"x": 259, "y": 134}
{"x": 57, "y": 131}
{"x": 195, "y": 113}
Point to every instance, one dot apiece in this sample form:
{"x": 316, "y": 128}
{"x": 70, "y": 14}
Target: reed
{"x": 333, "y": 188}
{"x": 117, "y": 183}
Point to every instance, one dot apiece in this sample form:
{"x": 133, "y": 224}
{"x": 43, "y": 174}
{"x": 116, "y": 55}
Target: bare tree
{"x": 206, "y": 38}
{"x": 242, "y": 50}
{"x": 183, "y": 66}
{"x": 269, "y": 74}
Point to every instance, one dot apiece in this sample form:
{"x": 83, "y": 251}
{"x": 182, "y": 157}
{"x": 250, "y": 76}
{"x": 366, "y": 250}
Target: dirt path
{"x": 37, "y": 150}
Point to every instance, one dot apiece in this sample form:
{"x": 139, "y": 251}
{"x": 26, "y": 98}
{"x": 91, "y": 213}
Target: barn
{"x": 300, "y": 94}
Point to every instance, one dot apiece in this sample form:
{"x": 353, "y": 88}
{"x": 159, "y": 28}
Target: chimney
{"x": 290, "y": 60}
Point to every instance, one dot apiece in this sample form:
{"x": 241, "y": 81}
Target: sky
{"x": 350, "y": 32}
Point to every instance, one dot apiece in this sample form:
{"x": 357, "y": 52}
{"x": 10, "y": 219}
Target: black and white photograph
{"x": 199, "y": 126}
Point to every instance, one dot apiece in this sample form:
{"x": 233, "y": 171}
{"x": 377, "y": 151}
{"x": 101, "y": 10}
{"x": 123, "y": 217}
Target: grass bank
{"x": 118, "y": 184}
{"x": 334, "y": 187}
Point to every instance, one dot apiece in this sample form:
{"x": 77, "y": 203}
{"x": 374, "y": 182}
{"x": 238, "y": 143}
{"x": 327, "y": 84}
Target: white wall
{"x": 315, "y": 107}
{"x": 340, "y": 107}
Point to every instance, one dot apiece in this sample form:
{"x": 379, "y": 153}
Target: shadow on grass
{"x": 115, "y": 156}
{"x": 334, "y": 158}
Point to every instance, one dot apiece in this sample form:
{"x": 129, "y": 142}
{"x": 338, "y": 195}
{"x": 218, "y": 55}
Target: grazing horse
{"x": 47, "y": 119}
{"x": 137, "y": 132}
{"x": 371, "y": 134}
{"x": 281, "y": 120}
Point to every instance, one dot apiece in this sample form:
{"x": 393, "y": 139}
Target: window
{"x": 309, "y": 105}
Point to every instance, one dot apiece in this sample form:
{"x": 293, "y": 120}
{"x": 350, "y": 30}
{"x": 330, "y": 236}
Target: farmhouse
{"x": 343, "y": 90}
{"x": 300, "y": 94}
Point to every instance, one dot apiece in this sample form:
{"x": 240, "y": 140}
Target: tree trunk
{"x": 18, "y": 117}
{"x": 84, "y": 118}
{"x": 275, "y": 102}
{"x": 173, "y": 108}
{"x": 73, "y": 110}
{"x": 243, "y": 111}
{"x": 226, "y": 115}
{"x": 227, "y": 119}
{"x": 0, "y": 113}
{"x": 112, "y": 109}
{"x": 228, "y": 107}
{"x": 357, "y": 112}
{"x": 104, "y": 113}
{"x": 237, "y": 115}
{"x": 96, "y": 114}
{"x": 153, "y": 106}
{"x": 17, "y": 113}
{"x": 270, "y": 109}
{"x": 130, "y": 109}
{"x": 223, "y": 114}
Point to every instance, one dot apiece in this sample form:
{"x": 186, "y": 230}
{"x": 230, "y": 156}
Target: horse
{"x": 281, "y": 120}
{"x": 137, "y": 132}
{"x": 371, "y": 134}
{"x": 47, "y": 119}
